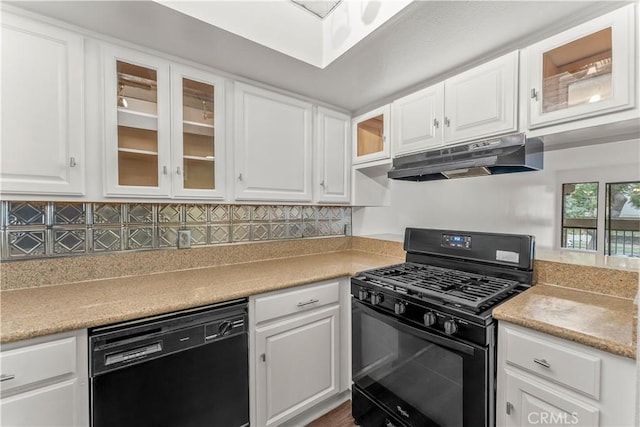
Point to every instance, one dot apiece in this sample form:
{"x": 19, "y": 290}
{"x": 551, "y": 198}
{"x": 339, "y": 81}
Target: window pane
{"x": 579, "y": 215}
{"x": 622, "y": 220}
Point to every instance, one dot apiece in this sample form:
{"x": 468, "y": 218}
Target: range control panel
{"x": 456, "y": 241}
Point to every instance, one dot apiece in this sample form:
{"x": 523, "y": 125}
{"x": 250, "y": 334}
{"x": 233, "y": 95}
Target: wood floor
{"x": 339, "y": 417}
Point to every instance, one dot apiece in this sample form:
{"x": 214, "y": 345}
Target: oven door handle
{"x": 391, "y": 321}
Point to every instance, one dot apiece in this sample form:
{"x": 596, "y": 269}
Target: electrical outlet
{"x": 184, "y": 239}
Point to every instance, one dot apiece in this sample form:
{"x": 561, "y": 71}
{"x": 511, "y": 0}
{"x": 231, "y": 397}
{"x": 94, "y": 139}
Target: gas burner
{"x": 451, "y": 286}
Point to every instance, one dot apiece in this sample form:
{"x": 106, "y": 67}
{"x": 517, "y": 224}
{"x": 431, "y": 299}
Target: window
{"x": 622, "y": 221}
{"x": 580, "y": 211}
{"x": 580, "y": 215}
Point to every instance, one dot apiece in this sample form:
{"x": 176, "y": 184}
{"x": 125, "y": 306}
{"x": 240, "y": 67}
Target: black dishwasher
{"x": 187, "y": 369}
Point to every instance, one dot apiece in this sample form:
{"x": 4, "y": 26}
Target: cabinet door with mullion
{"x": 197, "y": 143}
{"x": 137, "y": 123}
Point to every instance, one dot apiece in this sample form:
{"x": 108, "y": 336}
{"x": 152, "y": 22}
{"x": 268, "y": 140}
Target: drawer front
{"x": 34, "y": 363}
{"x": 555, "y": 361}
{"x": 296, "y": 301}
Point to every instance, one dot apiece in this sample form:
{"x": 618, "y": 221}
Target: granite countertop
{"x": 600, "y": 321}
{"x": 27, "y": 313}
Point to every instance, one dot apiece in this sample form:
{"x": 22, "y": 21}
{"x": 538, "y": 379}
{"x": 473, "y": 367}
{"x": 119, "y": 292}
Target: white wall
{"x": 527, "y": 203}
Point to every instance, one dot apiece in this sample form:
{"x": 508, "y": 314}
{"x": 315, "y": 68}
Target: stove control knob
{"x": 225, "y": 328}
{"x": 450, "y": 327}
{"x": 363, "y": 294}
{"x": 400, "y": 307}
{"x": 375, "y": 298}
{"x": 430, "y": 318}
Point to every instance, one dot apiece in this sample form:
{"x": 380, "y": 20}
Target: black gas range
{"x": 436, "y": 366}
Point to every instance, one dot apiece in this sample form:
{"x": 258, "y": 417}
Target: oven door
{"x": 421, "y": 378}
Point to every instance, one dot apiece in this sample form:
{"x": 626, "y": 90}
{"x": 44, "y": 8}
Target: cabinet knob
{"x": 534, "y": 93}
{"x": 436, "y": 123}
{"x": 447, "y": 122}
{"x": 178, "y": 171}
{"x": 509, "y": 408}
{"x": 322, "y": 183}
{"x": 165, "y": 171}
{"x": 72, "y": 162}
{"x": 240, "y": 177}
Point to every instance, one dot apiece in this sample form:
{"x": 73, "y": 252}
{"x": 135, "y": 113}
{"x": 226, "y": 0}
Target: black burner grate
{"x": 456, "y": 286}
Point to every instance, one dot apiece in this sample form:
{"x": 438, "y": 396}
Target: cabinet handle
{"x": 402, "y": 411}
{"x": 388, "y": 423}
{"x": 322, "y": 183}
{"x": 72, "y": 162}
{"x": 542, "y": 362}
{"x": 311, "y": 301}
{"x": 178, "y": 171}
{"x": 263, "y": 357}
{"x": 240, "y": 177}
{"x": 534, "y": 93}
{"x": 164, "y": 170}
{"x": 436, "y": 123}
{"x": 447, "y": 122}
{"x": 509, "y": 408}
{"x": 6, "y": 377}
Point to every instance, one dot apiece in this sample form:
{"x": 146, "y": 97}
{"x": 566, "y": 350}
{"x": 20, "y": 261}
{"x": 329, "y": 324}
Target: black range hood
{"x": 507, "y": 154}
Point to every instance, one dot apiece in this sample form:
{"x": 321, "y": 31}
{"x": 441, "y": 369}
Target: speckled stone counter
{"x": 600, "y": 321}
{"x": 27, "y": 313}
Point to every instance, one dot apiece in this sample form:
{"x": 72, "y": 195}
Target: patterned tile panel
{"x": 69, "y": 213}
{"x": 69, "y": 241}
{"x": 139, "y": 213}
{"x": 27, "y": 213}
{"x": 219, "y": 234}
{"x": 27, "y": 244}
{"x": 107, "y": 239}
{"x": 107, "y": 213}
{"x": 43, "y": 229}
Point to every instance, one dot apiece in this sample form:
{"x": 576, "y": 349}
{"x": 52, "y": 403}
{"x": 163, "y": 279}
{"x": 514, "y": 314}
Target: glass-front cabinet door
{"x": 370, "y": 136}
{"x": 585, "y": 71}
{"x": 136, "y": 123}
{"x": 198, "y": 114}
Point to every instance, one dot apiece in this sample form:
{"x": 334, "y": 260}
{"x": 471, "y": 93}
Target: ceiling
{"x": 425, "y": 42}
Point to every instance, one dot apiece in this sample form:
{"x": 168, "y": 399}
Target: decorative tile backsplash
{"x": 31, "y": 230}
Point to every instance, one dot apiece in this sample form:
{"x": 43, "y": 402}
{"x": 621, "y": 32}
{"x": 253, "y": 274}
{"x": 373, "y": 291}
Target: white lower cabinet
{"x": 44, "y": 381}
{"x": 545, "y": 380}
{"x": 296, "y": 351}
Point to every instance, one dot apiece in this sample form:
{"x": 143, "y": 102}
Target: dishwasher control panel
{"x": 120, "y": 345}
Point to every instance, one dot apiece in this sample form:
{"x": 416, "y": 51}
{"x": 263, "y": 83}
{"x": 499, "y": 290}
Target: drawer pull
{"x": 6, "y": 377}
{"x": 542, "y": 362}
{"x": 311, "y": 301}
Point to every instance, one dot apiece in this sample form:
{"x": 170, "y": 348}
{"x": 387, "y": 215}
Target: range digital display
{"x": 456, "y": 241}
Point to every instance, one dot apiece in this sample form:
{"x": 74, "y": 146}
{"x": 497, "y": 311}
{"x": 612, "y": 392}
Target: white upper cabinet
{"x": 333, "y": 156}
{"x": 197, "y": 143}
{"x": 273, "y": 146}
{"x": 137, "y": 124}
{"x": 417, "y": 120}
{"x": 371, "y": 136}
{"x": 585, "y": 71}
{"x": 163, "y": 128}
{"x": 42, "y": 109}
{"x": 481, "y": 102}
